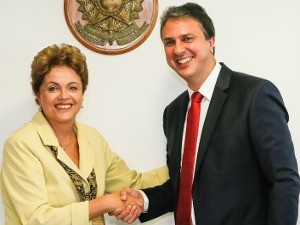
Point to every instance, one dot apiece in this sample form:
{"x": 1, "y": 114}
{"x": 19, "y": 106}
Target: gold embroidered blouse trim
{"x": 78, "y": 182}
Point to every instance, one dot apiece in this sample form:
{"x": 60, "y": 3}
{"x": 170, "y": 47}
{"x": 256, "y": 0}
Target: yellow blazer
{"x": 37, "y": 190}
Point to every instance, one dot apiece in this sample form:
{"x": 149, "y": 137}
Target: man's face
{"x": 187, "y": 51}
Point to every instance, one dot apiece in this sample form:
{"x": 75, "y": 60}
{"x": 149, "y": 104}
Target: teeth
{"x": 63, "y": 106}
{"x": 185, "y": 60}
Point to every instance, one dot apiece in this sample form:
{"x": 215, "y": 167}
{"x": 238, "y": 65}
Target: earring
{"x": 40, "y": 109}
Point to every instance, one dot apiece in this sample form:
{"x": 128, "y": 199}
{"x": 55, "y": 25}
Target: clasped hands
{"x": 133, "y": 205}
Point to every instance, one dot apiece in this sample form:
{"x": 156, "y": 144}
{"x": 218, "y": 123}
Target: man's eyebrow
{"x": 168, "y": 39}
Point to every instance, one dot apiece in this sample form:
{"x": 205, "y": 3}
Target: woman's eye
{"x": 53, "y": 89}
{"x": 73, "y": 88}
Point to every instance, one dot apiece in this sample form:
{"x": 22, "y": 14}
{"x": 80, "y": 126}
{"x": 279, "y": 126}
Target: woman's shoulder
{"x": 26, "y": 131}
{"x": 90, "y": 134}
{"x": 87, "y": 130}
{"x": 85, "y": 127}
{"x": 22, "y": 138}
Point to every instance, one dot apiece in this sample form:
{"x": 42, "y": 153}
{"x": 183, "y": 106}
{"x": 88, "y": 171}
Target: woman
{"x": 55, "y": 169}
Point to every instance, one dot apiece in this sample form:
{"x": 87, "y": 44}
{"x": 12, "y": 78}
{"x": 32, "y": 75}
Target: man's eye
{"x": 187, "y": 39}
{"x": 169, "y": 43}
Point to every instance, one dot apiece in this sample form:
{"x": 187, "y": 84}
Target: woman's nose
{"x": 63, "y": 95}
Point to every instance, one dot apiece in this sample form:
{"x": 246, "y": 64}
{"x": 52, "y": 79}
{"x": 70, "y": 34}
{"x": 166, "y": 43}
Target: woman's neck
{"x": 64, "y": 132}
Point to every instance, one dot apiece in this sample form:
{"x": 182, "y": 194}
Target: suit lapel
{"x": 218, "y": 98}
{"x": 179, "y": 118}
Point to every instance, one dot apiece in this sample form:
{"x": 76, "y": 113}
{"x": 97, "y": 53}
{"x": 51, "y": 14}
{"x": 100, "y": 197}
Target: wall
{"x": 127, "y": 93}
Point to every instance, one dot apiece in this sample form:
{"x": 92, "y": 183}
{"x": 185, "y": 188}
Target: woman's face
{"x": 60, "y": 95}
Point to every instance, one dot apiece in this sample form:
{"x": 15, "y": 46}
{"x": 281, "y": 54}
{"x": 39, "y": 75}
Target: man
{"x": 245, "y": 169}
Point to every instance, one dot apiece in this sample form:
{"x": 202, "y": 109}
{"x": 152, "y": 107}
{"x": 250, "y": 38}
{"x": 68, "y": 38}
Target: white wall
{"x": 127, "y": 93}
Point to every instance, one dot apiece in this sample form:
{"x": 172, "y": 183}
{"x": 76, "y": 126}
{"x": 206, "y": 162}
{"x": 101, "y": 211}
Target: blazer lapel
{"x": 86, "y": 155}
{"x": 214, "y": 110}
{"x": 179, "y": 113}
{"x": 86, "y": 151}
{"x": 47, "y": 135}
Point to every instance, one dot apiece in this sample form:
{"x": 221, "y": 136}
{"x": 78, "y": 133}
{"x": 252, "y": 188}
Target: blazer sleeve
{"x": 23, "y": 183}
{"x": 119, "y": 175}
{"x": 272, "y": 142}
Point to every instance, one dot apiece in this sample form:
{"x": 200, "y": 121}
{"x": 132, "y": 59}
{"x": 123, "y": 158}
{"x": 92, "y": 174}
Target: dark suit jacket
{"x": 246, "y": 170}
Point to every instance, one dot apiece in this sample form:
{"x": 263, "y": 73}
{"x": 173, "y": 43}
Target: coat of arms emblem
{"x": 111, "y": 26}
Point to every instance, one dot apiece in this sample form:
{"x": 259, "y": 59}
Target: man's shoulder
{"x": 247, "y": 82}
{"x": 241, "y": 77}
{"x": 179, "y": 100}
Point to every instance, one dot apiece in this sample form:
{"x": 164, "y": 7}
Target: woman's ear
{"x": 37, "y": 99}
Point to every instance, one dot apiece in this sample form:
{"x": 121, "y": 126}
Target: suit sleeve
{"x": 160, "y": 201}
{"x": 272, "y": 142}
{"x": 160, "y": 197}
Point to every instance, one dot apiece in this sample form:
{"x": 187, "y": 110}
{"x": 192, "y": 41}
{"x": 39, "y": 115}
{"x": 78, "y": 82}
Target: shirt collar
{"x": 209, "y": 84}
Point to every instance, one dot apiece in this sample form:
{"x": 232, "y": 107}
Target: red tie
{"x": 184, "y": 206}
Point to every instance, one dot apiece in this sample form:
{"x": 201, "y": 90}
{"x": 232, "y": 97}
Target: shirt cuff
{"x": 146, "y": 201}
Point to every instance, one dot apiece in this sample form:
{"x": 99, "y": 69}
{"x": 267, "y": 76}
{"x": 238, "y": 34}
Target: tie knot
{"x": 196, "y": 97}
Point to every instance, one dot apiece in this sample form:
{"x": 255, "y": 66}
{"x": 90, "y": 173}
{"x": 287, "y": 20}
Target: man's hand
{"x": 134, "y": 206}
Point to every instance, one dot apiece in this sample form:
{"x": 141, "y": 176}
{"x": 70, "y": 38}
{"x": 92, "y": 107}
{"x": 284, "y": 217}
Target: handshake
{"x": 129, "y": 205}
